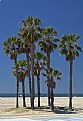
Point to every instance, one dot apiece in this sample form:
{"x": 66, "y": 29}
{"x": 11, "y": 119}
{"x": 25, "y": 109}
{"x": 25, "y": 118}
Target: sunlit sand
{"x": 8, "y": 110}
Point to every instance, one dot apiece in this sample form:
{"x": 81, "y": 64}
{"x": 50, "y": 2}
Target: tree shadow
{"x": 41, "y": 108}
{"x": 57, "y": 110}
{"x": 64, "y": 110}
{"x": 79, "y": 109}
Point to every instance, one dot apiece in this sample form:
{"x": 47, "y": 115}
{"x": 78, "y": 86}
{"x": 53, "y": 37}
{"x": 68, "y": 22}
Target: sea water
{"x": 42, "y": 95}
{"x": 76, "y": 118}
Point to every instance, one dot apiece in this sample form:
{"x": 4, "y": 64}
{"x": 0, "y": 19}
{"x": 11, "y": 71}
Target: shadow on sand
{"x": 57, "y": 110}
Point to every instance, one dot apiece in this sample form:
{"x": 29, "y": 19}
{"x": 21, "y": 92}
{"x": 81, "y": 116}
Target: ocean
{"x": 42, "y": 95}
{"x": 76, "y": 118}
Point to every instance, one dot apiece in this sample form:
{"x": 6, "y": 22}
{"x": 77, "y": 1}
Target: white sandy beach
{"x": 8, "y": 110}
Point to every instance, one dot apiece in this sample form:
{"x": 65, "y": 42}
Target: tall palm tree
{"x": 70, "y": 48}
{"x": 39, "y": 59}
{"x": 32, "y": 26}
{"x": 22, "y": 73}
{"x": 51, "y": 83}
{"x": 11, "y": 48}
{"x": 48, "y": 44}
{"x": 24, "y": 47}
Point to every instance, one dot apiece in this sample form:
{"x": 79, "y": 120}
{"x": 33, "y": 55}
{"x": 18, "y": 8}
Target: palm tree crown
{"x": 69, "y": 46}
{"x": 49, "y": 41}
{"x": 11, "y": 46}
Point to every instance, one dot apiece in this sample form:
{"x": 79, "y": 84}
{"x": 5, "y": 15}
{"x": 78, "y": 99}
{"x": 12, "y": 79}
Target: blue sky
{"x": 66, "y": 16}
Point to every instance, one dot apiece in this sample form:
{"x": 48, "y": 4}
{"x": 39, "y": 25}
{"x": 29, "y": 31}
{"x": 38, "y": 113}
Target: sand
{"x": 8, "y": 110}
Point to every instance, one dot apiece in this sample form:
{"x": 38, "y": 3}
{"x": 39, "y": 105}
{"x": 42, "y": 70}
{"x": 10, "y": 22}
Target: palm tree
{"x": 51, "y": 83}
{"x": 22, "y": 73}
{"x": 39, "y": 59}
{"x": 24, "y": 47}
{"x": 48, "y": 44}
{"x": 70, "y": 48}
{"x": 11, "y": 48}
{"x": 32, "y": 26}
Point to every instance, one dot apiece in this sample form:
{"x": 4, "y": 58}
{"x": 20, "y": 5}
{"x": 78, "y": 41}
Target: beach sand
{"x": 8, "y": 110}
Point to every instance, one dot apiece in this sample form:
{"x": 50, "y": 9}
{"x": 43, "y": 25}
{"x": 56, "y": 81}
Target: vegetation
{"x": 70, "y": 48}
{"x": 39, "y": 61}
{"x": 22, "y": 74}
{"x": 37, "y": 44}
{"x": 48, "y": 44}
{"x": 51, "y": 83}
{"x": 11, "y": 48}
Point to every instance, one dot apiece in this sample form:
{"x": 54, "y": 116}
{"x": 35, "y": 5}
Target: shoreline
{"x": 8, "y": 110}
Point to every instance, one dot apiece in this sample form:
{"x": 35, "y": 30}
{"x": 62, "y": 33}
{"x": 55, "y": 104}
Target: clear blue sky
{"x": 66, "y": 16}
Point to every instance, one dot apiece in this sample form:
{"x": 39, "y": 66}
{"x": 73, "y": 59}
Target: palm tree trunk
{"x": 28, "y": 63}
{"x": 23, "y": 93}
{"x": 17, "y": 83}
{"x": 52, "y": 99}
{"x": 48, "y": 78}
{"x": 70, "y": 89}
{"x": 38, "y": 87}
{"x": 32, "y": 74}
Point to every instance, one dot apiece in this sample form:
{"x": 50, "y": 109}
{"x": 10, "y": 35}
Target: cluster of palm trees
{"x": 37, "y": 43}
